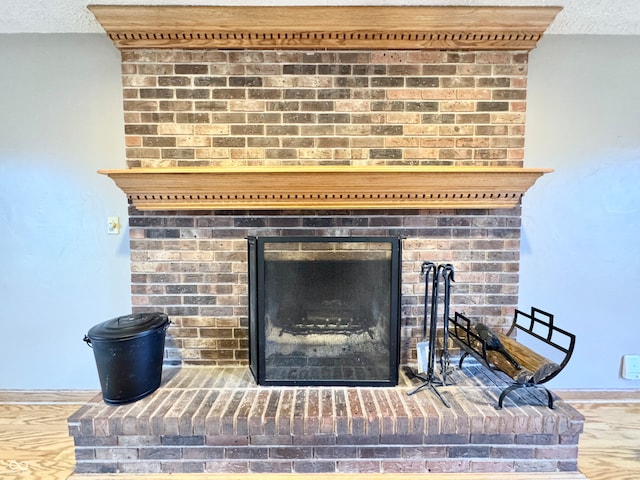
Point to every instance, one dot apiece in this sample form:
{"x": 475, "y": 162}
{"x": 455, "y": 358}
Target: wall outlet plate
{"x": 631, "y": 367}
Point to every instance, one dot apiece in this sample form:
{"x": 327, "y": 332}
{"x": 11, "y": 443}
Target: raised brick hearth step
{"x": 216, "y": 419}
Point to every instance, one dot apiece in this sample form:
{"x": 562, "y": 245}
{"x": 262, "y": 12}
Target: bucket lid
{"x": 128, "y": 326}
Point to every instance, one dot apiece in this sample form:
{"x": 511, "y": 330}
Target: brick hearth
{"x": 215, "y": 419}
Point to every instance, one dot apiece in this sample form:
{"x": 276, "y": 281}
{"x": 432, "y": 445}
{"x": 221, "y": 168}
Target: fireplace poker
{"x": 435, "y": 301}
{"x": 427, "y": 268}
{"x": 448, "y": 277}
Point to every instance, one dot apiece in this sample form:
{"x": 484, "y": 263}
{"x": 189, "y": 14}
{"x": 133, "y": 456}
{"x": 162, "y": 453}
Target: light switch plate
{"x": 113, "y": 225}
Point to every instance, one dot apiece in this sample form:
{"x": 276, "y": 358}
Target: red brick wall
{"x": 236, "y": 108}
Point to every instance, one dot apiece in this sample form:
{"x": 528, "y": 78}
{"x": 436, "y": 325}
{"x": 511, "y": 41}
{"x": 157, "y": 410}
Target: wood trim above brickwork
{"x": 325, "y": 27}
{"x": 324, "y": 188}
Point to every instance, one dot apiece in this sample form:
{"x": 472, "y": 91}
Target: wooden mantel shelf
{"x": 324, "y": 188}
{"x": 325, "y": 27}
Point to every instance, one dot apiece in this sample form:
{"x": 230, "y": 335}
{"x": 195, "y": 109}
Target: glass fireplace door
{"x": 324, "y": 311}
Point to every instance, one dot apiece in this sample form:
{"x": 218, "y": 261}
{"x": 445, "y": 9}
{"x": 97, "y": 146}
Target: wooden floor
{"x": 34, "y": 443}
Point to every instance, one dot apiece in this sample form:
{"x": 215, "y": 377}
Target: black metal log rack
{"x": 533, "y": 369}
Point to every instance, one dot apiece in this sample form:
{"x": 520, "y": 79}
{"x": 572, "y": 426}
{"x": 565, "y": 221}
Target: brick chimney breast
{"x": 443, "y": 88}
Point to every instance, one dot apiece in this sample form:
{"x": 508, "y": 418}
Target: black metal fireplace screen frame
{"x": 257, "y": 336}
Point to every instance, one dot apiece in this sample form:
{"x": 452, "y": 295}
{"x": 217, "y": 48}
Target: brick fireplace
{"x": 456, "y": 100}
{"x": 242, "y": 108}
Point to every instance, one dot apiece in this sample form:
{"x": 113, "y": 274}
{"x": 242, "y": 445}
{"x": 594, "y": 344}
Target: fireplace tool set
{"x": 522, "y": 365}
{"x": 444, "y": 274}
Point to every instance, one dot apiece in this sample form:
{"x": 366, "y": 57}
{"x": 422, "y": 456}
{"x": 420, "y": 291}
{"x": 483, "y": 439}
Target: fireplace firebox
{"x": 324, "y": 310}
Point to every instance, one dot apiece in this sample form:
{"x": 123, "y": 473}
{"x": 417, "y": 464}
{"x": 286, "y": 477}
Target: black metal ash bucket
{"x": 128, "y": 351}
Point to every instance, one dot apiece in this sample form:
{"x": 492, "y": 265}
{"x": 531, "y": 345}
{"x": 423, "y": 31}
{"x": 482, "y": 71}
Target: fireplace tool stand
{"x": 430, "y": 380}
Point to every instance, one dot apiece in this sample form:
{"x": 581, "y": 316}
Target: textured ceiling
{"x": 605, "y": 17}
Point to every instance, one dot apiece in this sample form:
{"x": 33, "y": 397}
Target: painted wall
{"x": 61, "y": 120}
{"x": 581, "y": 224}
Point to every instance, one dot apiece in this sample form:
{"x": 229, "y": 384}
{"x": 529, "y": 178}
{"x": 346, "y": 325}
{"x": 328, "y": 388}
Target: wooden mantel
{"x": 312, "y": 28}
{"x": 324, "y": 188}
{"x": 325, "y": 27}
